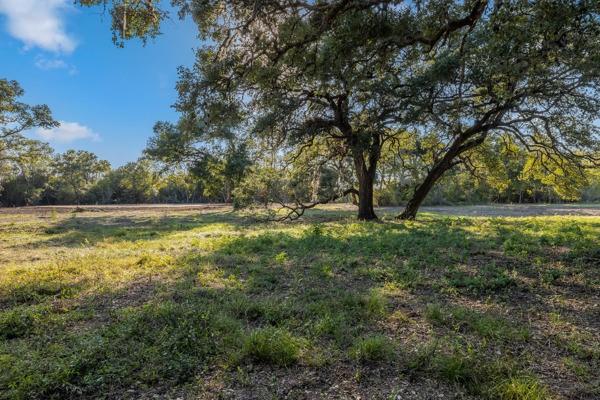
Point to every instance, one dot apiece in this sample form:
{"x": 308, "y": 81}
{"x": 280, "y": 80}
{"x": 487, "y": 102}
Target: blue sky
{"x": 107, "y": 98}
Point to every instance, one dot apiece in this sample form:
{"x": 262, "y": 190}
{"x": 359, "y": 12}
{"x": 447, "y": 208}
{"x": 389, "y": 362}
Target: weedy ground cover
{"x": 131, "y": 304}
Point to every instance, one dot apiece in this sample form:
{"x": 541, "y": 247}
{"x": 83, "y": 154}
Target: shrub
{"x": 18, "y": 322}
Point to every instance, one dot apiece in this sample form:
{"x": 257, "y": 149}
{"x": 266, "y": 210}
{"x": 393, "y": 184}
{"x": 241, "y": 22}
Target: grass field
{"x": 150, "y": 303}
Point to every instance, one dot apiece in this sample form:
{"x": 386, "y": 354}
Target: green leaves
{"x": 17, "y": 117}
{"x": 76, "y": 171}
{"x": 132, "y": 18}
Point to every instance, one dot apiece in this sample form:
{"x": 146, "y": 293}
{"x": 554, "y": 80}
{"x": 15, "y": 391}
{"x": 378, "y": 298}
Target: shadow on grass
{"x": 320, "y": 296}
{"x": 90, "y": 230}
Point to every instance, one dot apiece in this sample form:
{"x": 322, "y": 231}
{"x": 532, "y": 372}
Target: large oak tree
{"x": 362, "y": 72}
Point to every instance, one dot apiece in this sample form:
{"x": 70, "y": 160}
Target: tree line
{"x": 31, "y": 173}
{"x": 250, "y": 172}
{"x": 80, "y": 177}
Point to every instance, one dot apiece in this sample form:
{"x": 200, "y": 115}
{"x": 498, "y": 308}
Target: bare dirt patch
{"x": 490, "y": 210}
{"x": 113, "y": 208}
{"x": 517, "y": 210}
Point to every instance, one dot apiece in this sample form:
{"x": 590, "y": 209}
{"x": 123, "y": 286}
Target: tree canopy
{"x": 357, "y": 76}
{"x": 16, "y": 118}
{"x": 78, "y": 171}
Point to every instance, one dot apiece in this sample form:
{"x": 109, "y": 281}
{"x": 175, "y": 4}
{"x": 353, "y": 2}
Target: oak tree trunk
{"x": 366, "y": 180}
{"x": 421, "y": 192}
{"x": 366, "y": 212}
{"x": 410, "y": 211}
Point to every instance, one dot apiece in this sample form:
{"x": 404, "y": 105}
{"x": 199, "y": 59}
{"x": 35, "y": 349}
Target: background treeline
{"x": 252, "y": 173}
{"x": 80, "y": 177}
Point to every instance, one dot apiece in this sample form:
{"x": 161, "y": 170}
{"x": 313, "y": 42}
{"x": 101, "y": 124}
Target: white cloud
{"x": 38, "y": 23}
{"x": 67, "y": 132}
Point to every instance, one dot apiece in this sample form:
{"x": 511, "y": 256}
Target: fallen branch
{"x": 297, "y": 210}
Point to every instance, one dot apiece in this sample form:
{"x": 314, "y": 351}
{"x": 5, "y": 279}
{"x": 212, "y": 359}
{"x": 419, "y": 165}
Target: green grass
{"x": 520, "y": 389}
{"x": 485, "y": 325}
{"x": 181, "y": 304}
{"x": 272, "y": 346}
{"x": 372, "y": 349}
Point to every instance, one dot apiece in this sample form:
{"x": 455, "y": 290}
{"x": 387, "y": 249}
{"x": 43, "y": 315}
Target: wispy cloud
{"x": 38, "y": 23}
{"x": 54, "y": 63}
{"x": 67, "y": 132}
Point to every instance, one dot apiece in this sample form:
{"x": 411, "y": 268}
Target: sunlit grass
{"x": 148, "y": 302}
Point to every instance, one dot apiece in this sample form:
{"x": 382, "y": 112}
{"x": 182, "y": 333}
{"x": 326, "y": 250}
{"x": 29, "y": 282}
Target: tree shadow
{"x": 328, "y": 284}
{"x": 90, "y": 229}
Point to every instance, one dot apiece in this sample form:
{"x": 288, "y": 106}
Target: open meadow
{"x": 300, "y": 200}
{"x": 210, "y": 303}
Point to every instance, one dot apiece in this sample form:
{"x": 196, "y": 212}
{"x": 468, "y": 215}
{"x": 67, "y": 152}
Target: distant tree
{"x": 16, "y": 118}
{"x": 22, "y": 170}
{"x": 102, "y": 191}
{"x": 298, "y": 182}
{"x": 76, "y": 171}
{"x": 217, "y": 158}
{"x": 591, "y": 192}
{"x": 135, "y": 182}
{"x": 25, "y": 179}
{"x": 179, "y": 186}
